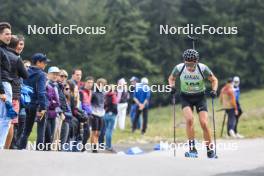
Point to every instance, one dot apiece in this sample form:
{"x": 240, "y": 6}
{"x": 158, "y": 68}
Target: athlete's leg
{"x": 203, "y": 118}
{"x": 188, "y": 115}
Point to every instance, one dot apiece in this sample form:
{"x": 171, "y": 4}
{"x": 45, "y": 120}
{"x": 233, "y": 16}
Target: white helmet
{"x": 144, "y": 80}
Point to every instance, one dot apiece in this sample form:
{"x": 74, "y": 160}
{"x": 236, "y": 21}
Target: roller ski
{"x": 211, "y": 154}
{"x": 191, "y": 154}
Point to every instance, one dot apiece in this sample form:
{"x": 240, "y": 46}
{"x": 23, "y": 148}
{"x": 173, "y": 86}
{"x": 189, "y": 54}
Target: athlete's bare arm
{"x": 214, "y": 82}
{"x": 172, "y": 80}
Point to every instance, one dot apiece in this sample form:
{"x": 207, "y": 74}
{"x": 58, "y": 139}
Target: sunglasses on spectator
{"x": 63, "y": 76}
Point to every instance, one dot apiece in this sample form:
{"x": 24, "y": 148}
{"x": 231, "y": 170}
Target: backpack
{"x": 26, "y": 92}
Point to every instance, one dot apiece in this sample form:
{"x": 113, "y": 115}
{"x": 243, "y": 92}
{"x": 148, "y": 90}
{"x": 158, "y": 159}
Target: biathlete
{"x": 192, "y": 76}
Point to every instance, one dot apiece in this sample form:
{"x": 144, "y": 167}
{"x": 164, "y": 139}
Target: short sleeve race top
{"x": 192, "y": 82}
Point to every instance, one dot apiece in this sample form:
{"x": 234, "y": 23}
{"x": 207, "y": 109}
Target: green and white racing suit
{"x": 192, "y": 85}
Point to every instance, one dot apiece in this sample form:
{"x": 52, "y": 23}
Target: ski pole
{"x": 174, "y": 122}
{"x": 214, "y": 127}
{"x": 223, "y": 124}
{"x": 193, "y": 40}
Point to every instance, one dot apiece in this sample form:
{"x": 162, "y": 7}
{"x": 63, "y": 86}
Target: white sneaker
{"x": 239, "y": 136}
{"x": 232, "y": 133}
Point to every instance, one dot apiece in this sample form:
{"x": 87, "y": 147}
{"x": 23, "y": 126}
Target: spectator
{"x": 236, "y": 82}
{"x": 27, "y": 64}
{"x": 98, "y": 113}
{"x": 63, "y": 76}
{"x": 142, "y": 97}
{"x": 22, "y": 110}
{"x": 133, "y": 81}
{"x": 38, "y": 105}
{"x": 18, "y": 71}
{"x": 73, "y": 99}
{"x": 63, "y": 90}
{"x": 110, "y": 115}
{"x": 65, "y": 129}
{"x": 122, "y": 99}
{"x": 228, "y": 100}
{"x": 86, "y": 97}
{"x": 54, "y": 112}
{"x": 77, "y": 77}
{"x": 5, "y": 86}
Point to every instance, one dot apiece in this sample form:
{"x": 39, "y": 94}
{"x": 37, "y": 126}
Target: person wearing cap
{"x": 228, "y": 100}
{"x": 38, "y": 104}
{"x": 5, "y": 81}
{"x": 236, "y": 82}
{"x": 133, "y": 81}
{"x": 122, "y": 99}
{"x": 142, "y": 98}
{"x": 54, "y": 112}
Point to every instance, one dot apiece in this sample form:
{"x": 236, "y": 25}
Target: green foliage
{"x": 133, "y": 46}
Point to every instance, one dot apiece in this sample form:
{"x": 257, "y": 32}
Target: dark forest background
{"x": 133, "y": 46}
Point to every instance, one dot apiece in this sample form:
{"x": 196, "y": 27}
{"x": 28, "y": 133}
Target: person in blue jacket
{"x": 142, "y": 98}
{"x": 37, "y": 108}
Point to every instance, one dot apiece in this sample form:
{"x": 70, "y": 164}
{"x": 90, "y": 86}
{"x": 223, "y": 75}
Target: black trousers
{"x": 65, "y": 130}
{"x": 238, "y": 116}
{"x": 41, "y": 126}
{"x": 50, "y": 130}
{"x": 231, "y": 122}
{"x": 18, "y": 129}
{"x": 145, "y": 119}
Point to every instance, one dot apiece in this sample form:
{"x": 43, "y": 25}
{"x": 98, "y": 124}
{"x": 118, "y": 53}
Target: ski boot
{"x": 191, "y": 154}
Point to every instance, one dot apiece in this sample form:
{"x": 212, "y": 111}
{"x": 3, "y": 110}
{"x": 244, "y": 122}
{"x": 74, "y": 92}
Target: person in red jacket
{"x": 86, "y": 97}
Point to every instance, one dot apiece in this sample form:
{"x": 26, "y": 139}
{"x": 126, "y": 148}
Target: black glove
{"x": 213, "y": 94}
{"x": 173, "y": 91}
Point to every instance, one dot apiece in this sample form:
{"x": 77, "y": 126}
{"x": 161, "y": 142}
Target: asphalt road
{"x": 246, "y": 159}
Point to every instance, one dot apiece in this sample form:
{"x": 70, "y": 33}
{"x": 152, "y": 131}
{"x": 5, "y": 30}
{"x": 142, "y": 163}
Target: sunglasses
{"x": 63, "y": 76}
{"x": 66, "y": 88}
